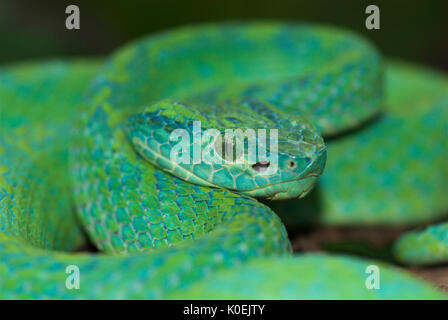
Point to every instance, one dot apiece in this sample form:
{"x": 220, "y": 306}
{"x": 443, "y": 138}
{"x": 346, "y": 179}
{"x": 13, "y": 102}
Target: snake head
{"x": 177, "y": 139}
{"x": 301, "y": 158}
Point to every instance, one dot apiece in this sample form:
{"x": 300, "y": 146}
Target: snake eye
{"x": 292, "y": 164}
{"x": 227, "y": 149}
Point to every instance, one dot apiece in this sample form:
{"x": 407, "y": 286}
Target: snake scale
{"x": 84, "y": 151}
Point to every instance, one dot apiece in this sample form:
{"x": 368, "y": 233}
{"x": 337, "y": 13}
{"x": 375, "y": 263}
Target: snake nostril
{"x": 261, "y": 166}
{"x": 292, "y": 164}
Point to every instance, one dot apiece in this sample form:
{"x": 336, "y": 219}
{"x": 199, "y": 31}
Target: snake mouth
{"x": 290, "y": 189}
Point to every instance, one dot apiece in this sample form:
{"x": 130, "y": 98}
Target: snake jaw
{"x": 293, "y": 189}
{"x": 305, "y": 186}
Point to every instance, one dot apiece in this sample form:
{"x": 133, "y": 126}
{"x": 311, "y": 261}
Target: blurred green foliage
{"x": 415, "y": 31}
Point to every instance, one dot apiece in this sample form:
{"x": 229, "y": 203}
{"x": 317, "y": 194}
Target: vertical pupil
{"x": 227, "y": 149}
{"x": 230, "y": 150}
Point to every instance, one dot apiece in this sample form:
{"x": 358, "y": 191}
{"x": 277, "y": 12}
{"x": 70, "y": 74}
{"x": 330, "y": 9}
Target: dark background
{"x": 35, "y": 29}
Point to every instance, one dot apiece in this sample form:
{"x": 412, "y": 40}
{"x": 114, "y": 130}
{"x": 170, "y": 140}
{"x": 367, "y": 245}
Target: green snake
{"x": 85, "y": 151}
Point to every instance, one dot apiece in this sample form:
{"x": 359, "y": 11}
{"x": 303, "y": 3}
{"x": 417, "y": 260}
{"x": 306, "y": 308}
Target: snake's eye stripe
{"x": 261, "y": 166}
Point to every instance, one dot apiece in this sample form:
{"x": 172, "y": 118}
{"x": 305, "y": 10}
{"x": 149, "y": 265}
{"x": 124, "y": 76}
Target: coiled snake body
{"x": 94, "y": 138}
